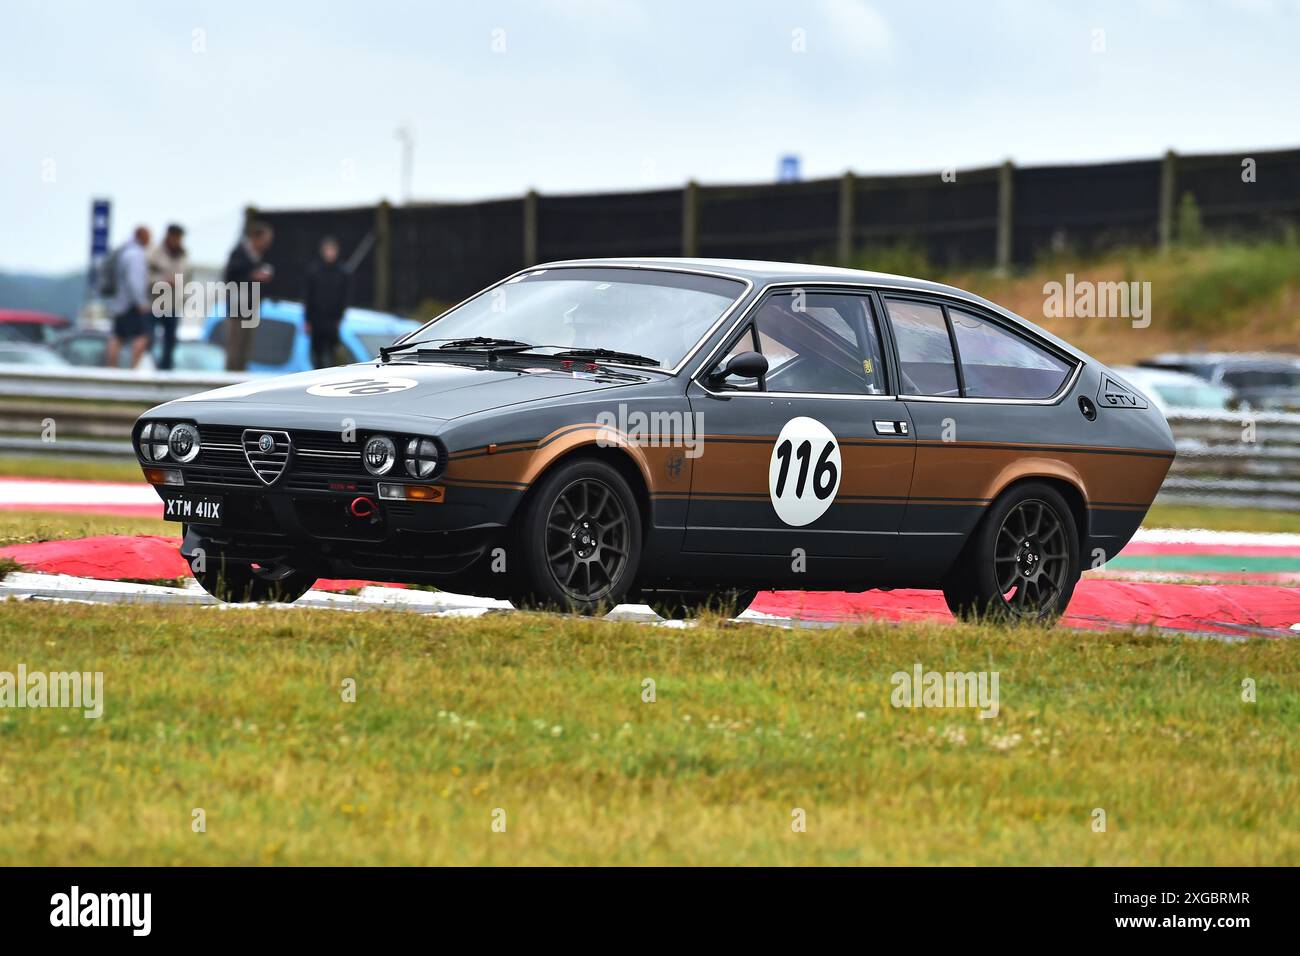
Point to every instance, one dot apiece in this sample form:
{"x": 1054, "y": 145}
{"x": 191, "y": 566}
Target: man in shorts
{"x": 130, "y": 305}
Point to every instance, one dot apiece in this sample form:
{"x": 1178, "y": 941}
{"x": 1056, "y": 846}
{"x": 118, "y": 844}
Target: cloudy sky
{"x": 189, "y": 111}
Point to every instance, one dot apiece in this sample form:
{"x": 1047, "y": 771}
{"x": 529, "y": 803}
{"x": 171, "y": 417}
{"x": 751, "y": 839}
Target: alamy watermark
{"x": 78, "y": 690}
{"x": 1083, "y": 299}
{"x": 655, "y": 429}
{"x": 175, "y": 298}
{"x": 922, "y": 688}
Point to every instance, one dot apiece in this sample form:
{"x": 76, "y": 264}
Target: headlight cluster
{"x": 159, "y": 440}
{"x": 380, "y": 455}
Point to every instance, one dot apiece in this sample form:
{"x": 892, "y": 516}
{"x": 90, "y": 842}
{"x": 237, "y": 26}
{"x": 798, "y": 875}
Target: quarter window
{"x": 996, "y": 363}
{"x": 924, "y": 349}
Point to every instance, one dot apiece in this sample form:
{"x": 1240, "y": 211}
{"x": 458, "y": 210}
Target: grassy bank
{"x": 1226, "y": 295}
{"x": 240, "y": 713}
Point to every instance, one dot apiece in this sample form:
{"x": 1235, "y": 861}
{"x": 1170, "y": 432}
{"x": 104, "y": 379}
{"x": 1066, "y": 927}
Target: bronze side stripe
{"x": 930, "y": 443}
{"x": 1060, "y": 449}
{"x": 483, "y": 483}
{"x": 531, "y": 444}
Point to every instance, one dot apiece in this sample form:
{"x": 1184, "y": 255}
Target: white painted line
{"x": 1269, "y": 539}
{"x": 19, "y": 492}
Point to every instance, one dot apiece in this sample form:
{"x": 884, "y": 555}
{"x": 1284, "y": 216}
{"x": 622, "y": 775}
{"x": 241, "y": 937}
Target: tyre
{"x": 238, "y": 583}
{"x": 579, "y": 536}
{"x": 680, "y": 605}
{"x": 1023, "y": 561}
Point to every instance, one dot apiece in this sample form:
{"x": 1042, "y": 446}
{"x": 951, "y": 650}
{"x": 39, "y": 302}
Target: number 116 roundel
{"x": 679, "y": 432}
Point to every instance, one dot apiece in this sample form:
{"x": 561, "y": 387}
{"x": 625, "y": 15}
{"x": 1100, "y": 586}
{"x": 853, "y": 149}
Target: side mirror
{"x": 741, "y": 365}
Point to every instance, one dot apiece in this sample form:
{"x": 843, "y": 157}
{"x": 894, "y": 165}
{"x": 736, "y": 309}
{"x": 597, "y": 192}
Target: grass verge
{"x": 55, "y": 466}
{"x": 240, "y": 713}
{"x": 25, "y": 527}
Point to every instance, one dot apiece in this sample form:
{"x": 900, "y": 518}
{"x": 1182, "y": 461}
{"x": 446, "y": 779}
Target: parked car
{"x": 25, "y": 325}
{"x": 281, "y": 343}
{"x": 1176, "y": 391}
{"x": 89, "y": 348}
{"x": 21, "y": 353}
{"x": 1262, "y": 380}
{"x": 679, "y": 432}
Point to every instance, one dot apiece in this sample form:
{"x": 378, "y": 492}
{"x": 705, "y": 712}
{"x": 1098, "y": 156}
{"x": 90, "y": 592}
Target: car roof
{"x": 758, "y": 271}
{"x": 32, "y": 316}
{"x": 1155, "y": 375}
{"x": 1226, "y": 359}
{"x": 357, "y": 319}
{"x": 762, "y": 273}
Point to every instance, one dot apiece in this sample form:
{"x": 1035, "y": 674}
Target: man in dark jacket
{"x": 328, "y": 286}
{"x": 246, "y": 272}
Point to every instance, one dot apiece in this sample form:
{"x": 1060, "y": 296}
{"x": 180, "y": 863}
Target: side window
{"x": 821, "y": 342}
{"x": 997, "y": 363}
{"x": 925, "y": 358}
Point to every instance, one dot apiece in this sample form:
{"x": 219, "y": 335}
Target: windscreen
{"x": 656, "y": 314}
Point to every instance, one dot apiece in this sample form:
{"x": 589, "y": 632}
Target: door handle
{"x": 891, "y": 428}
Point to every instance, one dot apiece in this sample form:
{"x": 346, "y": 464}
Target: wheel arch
{"x": 1069, "y": 487}
{"x": 623, "y": 457}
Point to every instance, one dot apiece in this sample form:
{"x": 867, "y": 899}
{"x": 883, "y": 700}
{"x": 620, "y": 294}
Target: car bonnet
{"x": 440, "y": 390}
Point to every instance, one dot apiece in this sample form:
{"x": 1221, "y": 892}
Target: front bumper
{"x": 401, "y": 541}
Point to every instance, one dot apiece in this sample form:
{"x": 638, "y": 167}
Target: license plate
{"x": 200, "y": 509}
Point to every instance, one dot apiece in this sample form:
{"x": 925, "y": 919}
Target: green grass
{"x": 1221, "y": 519}
{"x": 25, "y": 527}
{"x": 86, "y": 469}
{"x": 240, "y": 713}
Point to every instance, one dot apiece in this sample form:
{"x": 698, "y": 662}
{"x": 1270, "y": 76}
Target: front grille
{"x": 302, "y": 460}
{"x": 268, "y": 453}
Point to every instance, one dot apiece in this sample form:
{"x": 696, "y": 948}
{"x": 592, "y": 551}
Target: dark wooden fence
{"x": 1004, "y": 216}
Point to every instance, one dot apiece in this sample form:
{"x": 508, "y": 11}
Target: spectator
{"x": 328, "y": 285}
{"x": 169, "y": 264}
{"x": 130, "y": 304}
{"x": 245, "y": 267}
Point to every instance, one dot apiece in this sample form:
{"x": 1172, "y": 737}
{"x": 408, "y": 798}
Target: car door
{"x": 818, "y": 454}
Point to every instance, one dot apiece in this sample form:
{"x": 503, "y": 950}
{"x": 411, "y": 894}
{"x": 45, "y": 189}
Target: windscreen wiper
{"x": 626, "y": 358}
{"x": 477, "y": 343}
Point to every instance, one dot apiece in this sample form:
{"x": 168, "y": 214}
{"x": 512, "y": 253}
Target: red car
{"x": 24, "y": 325}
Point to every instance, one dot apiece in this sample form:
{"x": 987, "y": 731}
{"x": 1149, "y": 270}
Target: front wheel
{"x": 1022, "y": 563}
{"x": 238, "y": 583}
{"x": 580, "y": 539}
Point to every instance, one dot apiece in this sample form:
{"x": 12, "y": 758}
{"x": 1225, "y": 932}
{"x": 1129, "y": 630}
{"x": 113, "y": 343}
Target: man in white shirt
{"x": 130, "y": 305}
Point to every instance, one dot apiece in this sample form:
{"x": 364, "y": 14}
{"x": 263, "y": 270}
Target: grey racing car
{"x": 679, "y": 431}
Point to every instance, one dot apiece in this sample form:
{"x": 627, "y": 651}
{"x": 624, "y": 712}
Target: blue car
{"x": 281, "y": 343}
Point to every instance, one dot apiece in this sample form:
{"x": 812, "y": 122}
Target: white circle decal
{"x": 360, "y": 385}
{"x": 804, "y": 474}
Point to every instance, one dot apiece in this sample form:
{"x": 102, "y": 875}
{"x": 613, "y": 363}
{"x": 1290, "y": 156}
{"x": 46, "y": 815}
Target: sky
{"x": 189, "y": 111}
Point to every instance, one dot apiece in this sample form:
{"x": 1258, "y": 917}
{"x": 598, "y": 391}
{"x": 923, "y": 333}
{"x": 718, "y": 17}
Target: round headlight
{"x": 380, "y": 454}
{"x": 184, "y": 442}
{"x": 153, "y": 441}
{"x": 421, "y": 457}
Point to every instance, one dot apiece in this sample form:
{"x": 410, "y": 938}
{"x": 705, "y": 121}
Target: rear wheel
{"x": 680, "y": 605}
{"x": 580, "y": 537}
{"x": 1022, "y": 563}
{"x": 237, "y": 583}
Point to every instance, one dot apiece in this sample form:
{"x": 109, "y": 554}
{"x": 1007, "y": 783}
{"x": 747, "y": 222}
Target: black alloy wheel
{"x": 1021, "y": 563}
{"x": 587, "y": 539}
{"x": 579, "y": 537}
{"x": 1031, "y": 559}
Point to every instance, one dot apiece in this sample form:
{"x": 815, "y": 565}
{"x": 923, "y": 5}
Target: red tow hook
{"x": 362, "y": 507}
